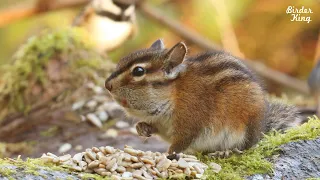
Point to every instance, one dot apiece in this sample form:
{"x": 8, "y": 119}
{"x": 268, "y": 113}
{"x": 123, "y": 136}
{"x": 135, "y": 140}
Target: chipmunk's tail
{"x": 281, "y": 116}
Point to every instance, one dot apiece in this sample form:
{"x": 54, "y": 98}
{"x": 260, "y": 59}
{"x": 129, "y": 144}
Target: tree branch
{"x": 13, "y": 14}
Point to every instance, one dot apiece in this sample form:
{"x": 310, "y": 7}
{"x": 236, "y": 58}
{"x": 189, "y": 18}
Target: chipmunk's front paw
{"x": 224, "y": 154}
{"x": 145, "y": 129}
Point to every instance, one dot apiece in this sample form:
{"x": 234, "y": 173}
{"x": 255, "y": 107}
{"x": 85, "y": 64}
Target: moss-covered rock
{"x": 50, "y": 62}
{"x": 255, "y": 160}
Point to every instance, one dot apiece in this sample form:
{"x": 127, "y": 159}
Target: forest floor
{"x": 80, "y": 135}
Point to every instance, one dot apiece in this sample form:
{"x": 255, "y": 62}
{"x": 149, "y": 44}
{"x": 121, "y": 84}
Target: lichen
{"x": 29, "y": 64}
{"x": 254, "y": 160}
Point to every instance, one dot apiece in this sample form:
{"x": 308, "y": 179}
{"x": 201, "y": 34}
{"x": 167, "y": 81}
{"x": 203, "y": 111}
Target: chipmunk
{"x": 207, "y": 103}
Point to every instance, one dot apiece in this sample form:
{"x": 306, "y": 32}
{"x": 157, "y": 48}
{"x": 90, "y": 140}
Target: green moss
{"x": 254, "y": 160}
{"x": 29, "y": 64}
{"x": 5, "y": 171}
{"x": 30, "y": 166}
{"x": 87, "y": 176}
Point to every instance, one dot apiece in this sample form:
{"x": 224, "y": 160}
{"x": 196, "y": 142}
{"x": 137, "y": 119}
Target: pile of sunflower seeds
{"x": 129, "y": 163}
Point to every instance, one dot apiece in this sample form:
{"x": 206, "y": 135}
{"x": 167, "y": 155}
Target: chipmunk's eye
{"x": 138, "y": 71}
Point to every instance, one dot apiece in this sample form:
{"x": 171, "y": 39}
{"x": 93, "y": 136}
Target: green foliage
{"x": 28, "y": 68}
{"x": 254, "y": 160}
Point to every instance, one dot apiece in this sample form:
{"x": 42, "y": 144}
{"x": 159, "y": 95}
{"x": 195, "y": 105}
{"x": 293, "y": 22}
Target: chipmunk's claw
{"x": 225, "y": 154}
{"x": 173, "y": 156}
{"x": 237, "y": 151}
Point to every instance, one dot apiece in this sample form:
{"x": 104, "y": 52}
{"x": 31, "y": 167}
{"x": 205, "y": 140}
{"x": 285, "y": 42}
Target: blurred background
{"x": 55, "y": 55}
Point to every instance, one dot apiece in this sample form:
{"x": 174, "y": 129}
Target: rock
{"x": 102, "y": 115}
{"x": 64, "y": 148}
{"x": 94, "y": 120}
{"x": 297, "y": 160}
{"x": 122, "y": 124}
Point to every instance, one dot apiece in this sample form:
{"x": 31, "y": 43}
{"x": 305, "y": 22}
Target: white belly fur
{"x": 208, "y": 142}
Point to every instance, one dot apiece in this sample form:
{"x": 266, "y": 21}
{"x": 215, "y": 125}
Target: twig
{"x": 182, "y": 31}
{"x": 13, "y": 14}
{"x": 176, "y": 27}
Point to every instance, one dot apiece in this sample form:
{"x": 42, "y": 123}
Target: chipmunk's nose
{"x": 108, "y": 85}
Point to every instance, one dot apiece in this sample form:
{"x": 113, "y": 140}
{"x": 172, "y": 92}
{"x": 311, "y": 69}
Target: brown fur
{"x": 209, "y": 102}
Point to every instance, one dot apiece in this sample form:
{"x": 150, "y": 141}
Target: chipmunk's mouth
{"x": 122, "y": 101}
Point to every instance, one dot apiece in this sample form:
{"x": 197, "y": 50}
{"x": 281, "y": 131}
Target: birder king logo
{"x": 299, "y": 14}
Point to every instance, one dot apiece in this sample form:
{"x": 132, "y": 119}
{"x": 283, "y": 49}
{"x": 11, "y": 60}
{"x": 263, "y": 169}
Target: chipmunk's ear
{"x": 158, "y": 45}
{"x": 172, "y": 64}
{"x": 175, "y": 56}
